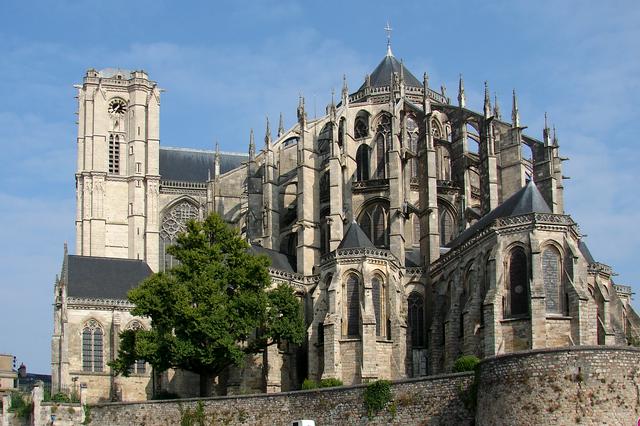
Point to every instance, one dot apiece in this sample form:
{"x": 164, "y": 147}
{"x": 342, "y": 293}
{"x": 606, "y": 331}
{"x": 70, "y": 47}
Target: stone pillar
{"x": 273, "y": 366}
{"x": 538, "y": 310}
{"x": 37, "y": 395}
{"x": 333, "y": 330}
{"x": 488, "y": 168}
{"x": 368, "y": 368}
{"x": 512, "y": 171}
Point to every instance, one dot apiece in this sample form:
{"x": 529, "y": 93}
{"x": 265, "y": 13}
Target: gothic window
{"x": 173, "y": 223}
{"x": 436, "y": 130}
{"x": 443, "y": 163}
{"x": 353, "y": 305}
{"x": 324, "y": 232}
{"x": 551, "y": 274}
{"x": 324, "y": 187}
{"x": 362, "y": 162}
{"x": 484, "y": 287}
{"x": 380, "y": 171}
{"x": 324, "y": 139}
{"x": 416, "y": 230}
{"x": 518, "y": 283}
{"x": 139, "y": 367}
{"x": 467, "y": 289}
{"x": 447, "y": 225}
{"x": 413, "y": 132}
{"x": 341, "y": 132}
{"x": 379, "y": 297}
{"x": 374, "y": 222}
{"x": 416, "y": 319}
{"x": 114, "y": 154}
{"x": 92, "y": 346}
{"x": 360, "y": 127}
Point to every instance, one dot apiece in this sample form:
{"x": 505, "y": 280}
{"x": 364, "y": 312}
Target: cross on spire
{"x": 388, "y": 29}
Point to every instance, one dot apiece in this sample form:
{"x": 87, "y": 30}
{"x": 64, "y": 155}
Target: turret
{"x": 462, "y": 99}
{"x": 487, "y": 101}
{"x": 515, "y": 114}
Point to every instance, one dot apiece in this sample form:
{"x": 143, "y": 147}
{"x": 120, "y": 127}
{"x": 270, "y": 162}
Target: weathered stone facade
{"x": 412, "y": 229}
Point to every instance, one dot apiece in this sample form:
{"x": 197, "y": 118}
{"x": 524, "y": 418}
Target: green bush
{"x": 376, "y": 396}
{"x": 309, "y": 384}
{"x": 466, "y": 363}
{"x": 60, "y": 397}
{"x": 20, "y": 406}
{"x": 330, "y": 383}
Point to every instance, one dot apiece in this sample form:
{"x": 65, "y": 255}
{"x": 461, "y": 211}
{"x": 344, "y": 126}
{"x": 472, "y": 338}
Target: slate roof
{"x": 412, "y": 258}
{"x": 355, "y": 238}
{"x": 527, "y": 200}
{"x": 104, "y": 277}
{"x": 381, "y": 75}
{"x": 279, "y": 260}
{"x": 585, "y": 252}
{"x": 191, "y": 165}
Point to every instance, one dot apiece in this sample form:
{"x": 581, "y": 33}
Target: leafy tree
{"x": 212, "y": 309}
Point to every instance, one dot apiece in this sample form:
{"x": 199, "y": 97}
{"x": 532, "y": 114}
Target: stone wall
{"x": 436, "y": 400}
{"x": 576, "y": 385}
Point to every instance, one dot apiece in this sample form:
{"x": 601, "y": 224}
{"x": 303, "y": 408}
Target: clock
{"x": 117, "y": 106}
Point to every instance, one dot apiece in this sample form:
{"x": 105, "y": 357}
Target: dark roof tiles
{"x": 190, "y": 165}
{"x": 381, "y": 75}
{"x": 355, "y": 238}
{"x": 104, "y": 277}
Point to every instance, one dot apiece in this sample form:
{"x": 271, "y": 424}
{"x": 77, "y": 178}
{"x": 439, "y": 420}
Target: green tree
{"x": 211, "y": 310}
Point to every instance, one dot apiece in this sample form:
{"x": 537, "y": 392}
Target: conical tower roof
{"x": 355, "y": 238}
{"x": 381, "y": 75}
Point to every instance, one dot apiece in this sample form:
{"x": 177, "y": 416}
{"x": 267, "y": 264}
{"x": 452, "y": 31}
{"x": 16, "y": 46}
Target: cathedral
{"x": 413, "y": 230}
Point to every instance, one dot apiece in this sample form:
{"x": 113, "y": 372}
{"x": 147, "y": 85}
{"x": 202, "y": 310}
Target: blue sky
{"x": 226, "y": 65}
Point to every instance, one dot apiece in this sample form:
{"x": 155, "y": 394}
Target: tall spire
{"x": 252, "y": 147}
{"x": 281, "y": 126}
{"x": 267, "y": 134}
{"x": 301, "y": 112}
{"x": 462, "y": 99}
{"x": 555, "y": 136}
{"x": 487, "y": 101}
{"x": 388, "y": 30}
{"x": 496, "y": 107}
{"x": 345, "y": 89}
{"x": 515, "y": 114}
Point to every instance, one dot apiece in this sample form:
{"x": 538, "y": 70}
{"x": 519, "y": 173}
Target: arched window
{"x": 443, "y": 163}
{"x": 379, "y": 305}
{"x": 416, "y": 319}
{"x": 374, "y": 222}
{"x": 139, "y": 367}
{"x": 352, "y": 290}
{"x": 436, "y": 129}
{"x": 324, "y": 187}
{"x": 341, "y": 132}
{"x": 552, "y": 277}
{"x": 383, "y": 132}
{"x": 465, "y": 295}
{"x": 518, "y": 283}
{"x": 362, "y": 162}
{"x": 173, "y": 223}
{"x": 361, "y": 127}
{"x": 324, "y": 139}
{"x": 92, "y": 346}
{"x": 413, "y": 133}
{"x": 324, "y": 232}
{"x": 416, "y": 229}
{"x": 114, "y": 154}
{"x": 447, "y": 225}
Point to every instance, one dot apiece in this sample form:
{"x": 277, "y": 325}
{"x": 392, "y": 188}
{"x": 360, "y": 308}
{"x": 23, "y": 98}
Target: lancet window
{"x": 138, "y": 367}
{"x": 374, "y": 221}
{"x": 362, "y": 162}
{"x": 352, "y": 299}
{"x": 416, "y": 319}
{"x": 379, "y": 305}
{"x": 92, "y": 347}
{"x": 413, "y": 132}
{"x": 114, "y": 154}
{"x": 518, "y": 283}
{"x": 383, "y": 133}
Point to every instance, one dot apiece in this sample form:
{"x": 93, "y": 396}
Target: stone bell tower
{"x": 117, "y": 177}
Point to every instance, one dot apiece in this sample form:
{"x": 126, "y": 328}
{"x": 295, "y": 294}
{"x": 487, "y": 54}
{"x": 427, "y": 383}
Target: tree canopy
{"x": 212, "y": 309}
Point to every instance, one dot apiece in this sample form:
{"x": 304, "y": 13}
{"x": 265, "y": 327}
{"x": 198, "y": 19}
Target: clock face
{"x": 117, "y": 106}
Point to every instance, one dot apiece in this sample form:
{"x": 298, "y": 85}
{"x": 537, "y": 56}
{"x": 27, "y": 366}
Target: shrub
{"x": 309, "y": 384}
{"x": 376, "y": 396}
{"x": 60, "y": 397}
{"x": 20, "y": 406}
{"x": 466, "y": 363}
{"x": 330, "y": 383}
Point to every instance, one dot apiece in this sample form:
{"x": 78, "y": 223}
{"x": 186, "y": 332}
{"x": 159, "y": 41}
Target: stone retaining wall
{"x": 435, "y": 400}
{"x": 591, "y": 385}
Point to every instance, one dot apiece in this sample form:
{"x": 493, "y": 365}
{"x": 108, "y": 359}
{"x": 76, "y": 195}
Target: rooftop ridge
{"x": 206, "y": 151}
